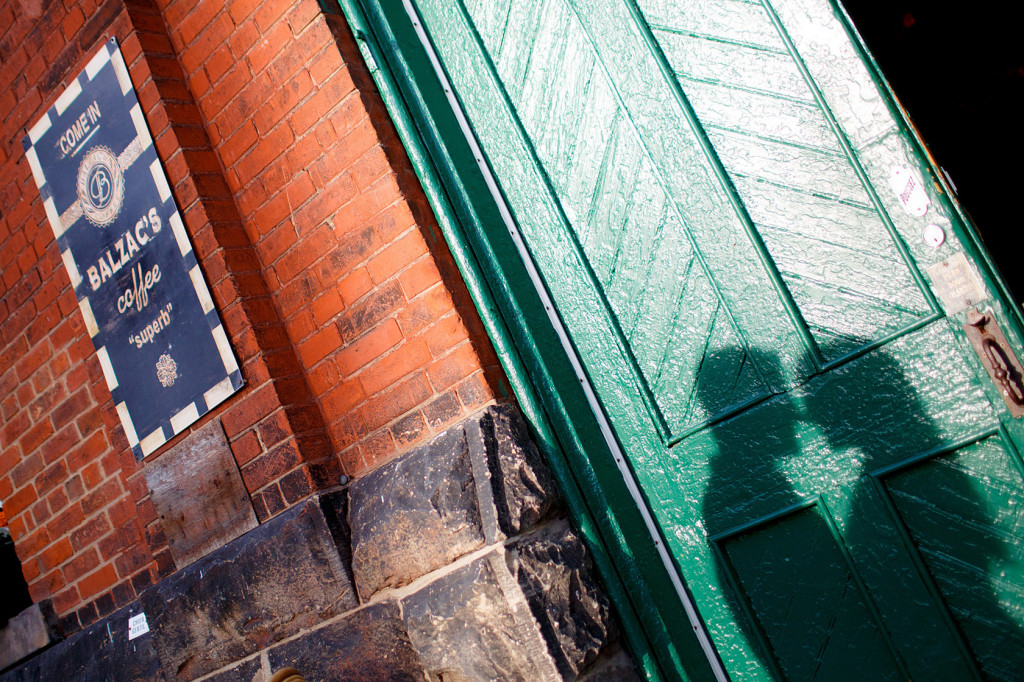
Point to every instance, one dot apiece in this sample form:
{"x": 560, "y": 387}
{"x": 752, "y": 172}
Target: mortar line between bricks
{"x": 432, "y": 432}
{"x": 265, "y": 663}
{"x": 241, "y": 661}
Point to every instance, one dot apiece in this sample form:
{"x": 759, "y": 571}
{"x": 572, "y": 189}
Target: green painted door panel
{"x": 821, "y": 445}
{"x": 704, "y": 189}
{"x": 802, "y": 548}
{"x": 962, "y": 511}
{"x": 799, "y": 180}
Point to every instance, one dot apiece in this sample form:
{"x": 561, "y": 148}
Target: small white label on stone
{"x": 933, "y": 236}
{"x": 956, "y": 283}
{"x": 909, "y": 189}
{"x": 137, "y": 626}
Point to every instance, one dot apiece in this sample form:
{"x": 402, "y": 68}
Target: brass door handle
{"x": 998, "y": 357}
{"x": 1004, "y": 373}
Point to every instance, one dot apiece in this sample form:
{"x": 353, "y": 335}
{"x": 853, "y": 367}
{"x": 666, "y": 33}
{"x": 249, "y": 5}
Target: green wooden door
{"x": 740, "y": 238}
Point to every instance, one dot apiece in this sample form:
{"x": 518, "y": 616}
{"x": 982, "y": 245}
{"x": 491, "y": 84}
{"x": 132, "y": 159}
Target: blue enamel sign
{"x": 146, "y": 305}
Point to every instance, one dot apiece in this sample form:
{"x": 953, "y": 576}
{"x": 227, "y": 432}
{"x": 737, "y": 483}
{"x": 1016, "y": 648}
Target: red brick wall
{"x": 354, "y": 332}
{"x": 276, "y": 431}
{"x": 345, "y": 240}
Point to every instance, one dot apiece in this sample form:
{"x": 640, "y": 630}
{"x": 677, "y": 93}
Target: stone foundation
{"x": 33, "y": 629}
{"x": 453, "y": 562}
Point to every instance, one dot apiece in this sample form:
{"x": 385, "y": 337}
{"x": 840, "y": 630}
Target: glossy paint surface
{"x": 704, "y": 189}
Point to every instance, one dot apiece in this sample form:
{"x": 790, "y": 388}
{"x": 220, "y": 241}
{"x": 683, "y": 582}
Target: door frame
{"x": 540, "y": 372}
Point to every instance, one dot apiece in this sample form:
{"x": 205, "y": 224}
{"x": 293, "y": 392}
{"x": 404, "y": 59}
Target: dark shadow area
{"x": 785, "y": 555}
{"x": 741, "y": 471}
{"x": 15, "y": 597}
{"x": 959, "y": 72}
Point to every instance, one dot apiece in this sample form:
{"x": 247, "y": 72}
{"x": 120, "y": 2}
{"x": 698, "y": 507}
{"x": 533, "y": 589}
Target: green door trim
{"x": 555, "y": 404}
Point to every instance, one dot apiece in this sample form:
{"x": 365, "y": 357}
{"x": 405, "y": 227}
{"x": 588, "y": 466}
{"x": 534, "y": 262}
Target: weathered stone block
{"x": 554, "y": 572}
{"x": 278, "y": 579}
{"x": 522, "y": 488}
{"x": 29, "y": 631}
{"x": 414, "y": 515}
{"x": 531, "y": 611}
{"x": 475, "y": 484}
{"x": 613, "y": 665}
{"x": 100, "y": 652}
{"x": 475, "y": 624}
{"x": 368, "y": 645}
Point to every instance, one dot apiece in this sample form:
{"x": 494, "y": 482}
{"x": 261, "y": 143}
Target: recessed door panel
{"x": 786, "y": 155}
{"x": 823, "y": 626}
{"x": 963, "y": 514}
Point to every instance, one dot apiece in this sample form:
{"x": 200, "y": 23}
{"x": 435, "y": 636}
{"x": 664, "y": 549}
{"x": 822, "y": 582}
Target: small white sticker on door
{"x": 933, "y": 236}
{"x": 956, "y": 283}
{"x": 137, "y": 626}
{"x": 908, "y": 187}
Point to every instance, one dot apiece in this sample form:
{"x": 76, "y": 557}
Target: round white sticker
{"x": 933, "y": 236}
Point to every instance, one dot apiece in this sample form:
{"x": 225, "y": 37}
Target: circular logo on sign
{"x": 100, "y": 186}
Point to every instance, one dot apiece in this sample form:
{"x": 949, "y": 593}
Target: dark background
{"x": 960, "y": 74}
